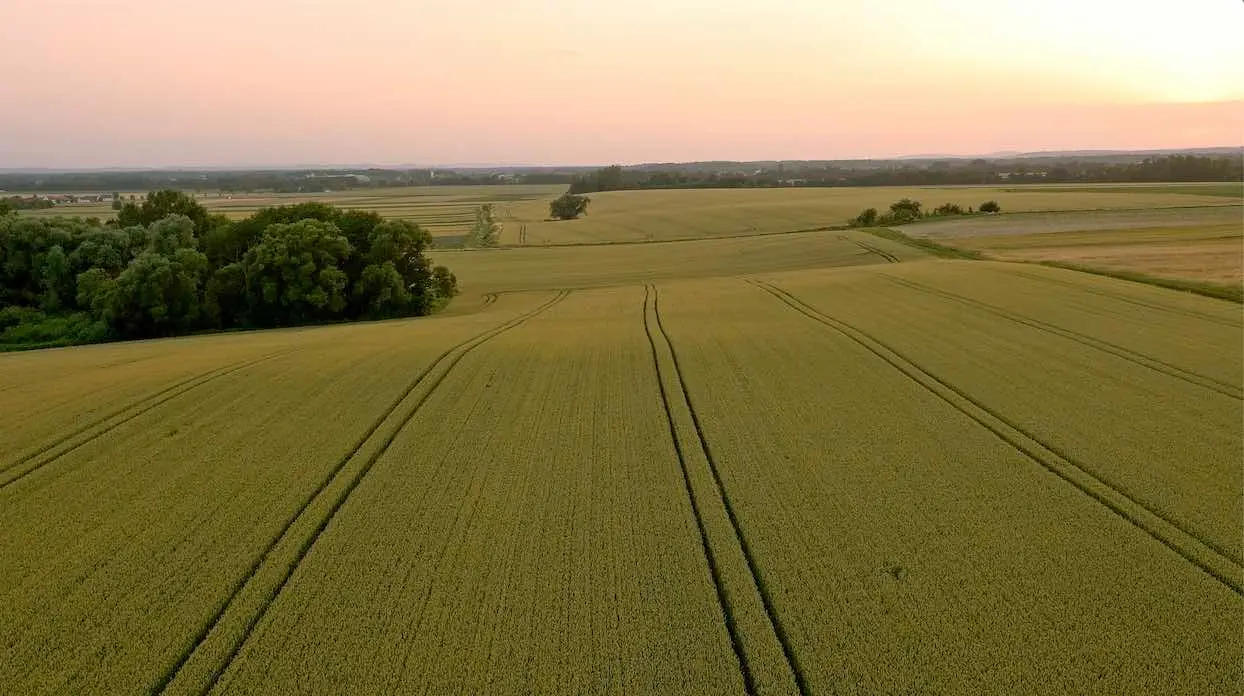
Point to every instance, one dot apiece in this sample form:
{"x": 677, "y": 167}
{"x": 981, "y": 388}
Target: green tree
{"x": 394, "y": 259}
{"x": 569, "y": 207}
{"x": 158, "y": 295}
{"x": 486, "y": 231}
{"x": 905, "y": 210}
{"x": 293, "y": 274}
{"x": 990, "y": 207}
{"x": 159, "y": 205}
{"x": 866, "y": 218}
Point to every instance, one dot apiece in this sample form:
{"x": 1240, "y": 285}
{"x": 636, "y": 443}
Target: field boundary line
{"x": 448, "y": 359}
{"x": 766, "y": 598}
{"x": 1125, "y": 353}
{"x": 1201, "y": 553}
{"x": 1116, "y": 296}
{"x": 736, "y": 642}
{"x": 153, "y": 401}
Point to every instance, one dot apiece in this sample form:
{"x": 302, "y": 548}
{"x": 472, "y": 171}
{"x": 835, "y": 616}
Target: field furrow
{"x": 116, "y": 557}
{"x": 1166, "y": 529}
{"x": 907, "y": 547}
{"x": 760, "y": 643}
{"x": 528, "y": 531}
{"x": 1171, "y": 445}
{"x": 204, "y": 662}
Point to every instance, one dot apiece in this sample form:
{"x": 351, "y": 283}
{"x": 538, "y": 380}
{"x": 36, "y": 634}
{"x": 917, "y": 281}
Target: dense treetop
{"x": 166, "y": 267}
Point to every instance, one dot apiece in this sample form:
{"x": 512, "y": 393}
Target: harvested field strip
{"x": 1225, "y": 388}
{"x": 1203, "y": 554}
{"x": 652, "y": 299}
{"x": 230, "y": 644}
{"x": 1123, "y": 297}
{"x": 45, "y": 455}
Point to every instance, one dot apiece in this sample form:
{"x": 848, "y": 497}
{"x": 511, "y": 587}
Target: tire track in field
{"x": 1206, "y": 555}
{"x": 889, "y": 258}
{"x": 757, "y": 579}
{"x": 1114, "y": 349}
{"x": 142, "y": 405}
{"x": 444, "y": 364}
{"x": 1119, "y": 296}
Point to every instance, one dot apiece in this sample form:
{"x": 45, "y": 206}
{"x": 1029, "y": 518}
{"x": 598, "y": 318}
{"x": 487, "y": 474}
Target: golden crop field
{"x": 663, "y": 215}
{"x": 637, "y": 216}
{"x": 808, "y": 463}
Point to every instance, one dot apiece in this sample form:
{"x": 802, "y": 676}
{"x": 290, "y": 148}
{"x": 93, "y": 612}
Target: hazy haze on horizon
{"x": 228, "y": 83}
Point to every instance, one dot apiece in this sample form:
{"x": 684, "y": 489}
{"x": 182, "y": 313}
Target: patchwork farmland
{"x": 767, "y": 477}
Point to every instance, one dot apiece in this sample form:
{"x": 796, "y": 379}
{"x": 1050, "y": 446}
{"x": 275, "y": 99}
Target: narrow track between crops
{"x": 1204, "y": 554}
{"x": 1168, "y": 369}
{"x": 45, "y": 456}
{"x": 433, "y": 375}
{"x": 889, "y": 258}
{"x": 652, "y": 300}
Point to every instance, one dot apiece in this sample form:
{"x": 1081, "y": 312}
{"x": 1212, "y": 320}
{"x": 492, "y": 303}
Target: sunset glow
{"x": 286, "y": 82}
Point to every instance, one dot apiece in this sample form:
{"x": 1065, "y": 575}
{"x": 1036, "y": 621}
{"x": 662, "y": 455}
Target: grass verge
{"x": 926, "y": 245}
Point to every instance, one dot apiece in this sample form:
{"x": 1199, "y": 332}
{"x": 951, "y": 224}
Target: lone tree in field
{"x": 991, "y": 207}
{"x": 569, "y": 207}
{"x": 486, "y": 231}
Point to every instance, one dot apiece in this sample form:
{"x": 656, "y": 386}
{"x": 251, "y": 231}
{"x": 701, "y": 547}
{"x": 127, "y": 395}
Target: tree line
{"x": 1168, "y": 168}
{"x": 166, "y": 266}
{"x": 907, "y": 210}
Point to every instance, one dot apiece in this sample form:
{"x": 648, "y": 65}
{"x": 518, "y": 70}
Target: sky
{"x": 147, "y": 83}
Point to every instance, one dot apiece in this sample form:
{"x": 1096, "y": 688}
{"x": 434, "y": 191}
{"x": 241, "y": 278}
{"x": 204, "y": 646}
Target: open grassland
{"x": 796, "y": 464}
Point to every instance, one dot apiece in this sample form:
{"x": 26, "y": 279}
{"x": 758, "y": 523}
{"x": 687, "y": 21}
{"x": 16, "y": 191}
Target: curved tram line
{"x": 1202, "y": 553}
{"x": 444, "y": 363}
{"x": 142, "y": 405}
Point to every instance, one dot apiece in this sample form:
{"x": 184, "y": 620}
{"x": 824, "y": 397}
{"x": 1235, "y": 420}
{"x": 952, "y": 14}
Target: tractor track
{"x": 1204, "y": 554}
{"x": 757, "y": 578}
{"x": 143, "y": 405}
{"x": 1116, "y": 350}
{"x": 446, "y": 361}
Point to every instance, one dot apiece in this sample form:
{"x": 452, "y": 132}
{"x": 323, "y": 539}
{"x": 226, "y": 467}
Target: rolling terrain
{"x": 809, "y": 463}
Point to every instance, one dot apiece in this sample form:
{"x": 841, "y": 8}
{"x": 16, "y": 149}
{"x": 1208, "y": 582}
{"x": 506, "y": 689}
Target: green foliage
{"x": 287, "y": 265}
{"x": 948, "y": 209}
{"x": 905, "y": 210}
{"x": 486, "y": 231}
{"x": 159, "y": 205}
{"x": 293, "y": 272}
{"x": 990, "y": 207}
{"x": 867, "y": 218}
{"x": 609, "y": 178}
{"x": 5, "y": 207}
{"x": 569, "y": 206}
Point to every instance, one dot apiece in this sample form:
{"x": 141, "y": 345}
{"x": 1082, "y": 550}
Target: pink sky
{"x": 282, "y": 82}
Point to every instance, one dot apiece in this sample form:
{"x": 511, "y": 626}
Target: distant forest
{"x": 1215, "y": 164}
{"x": 1167, "y": 168}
